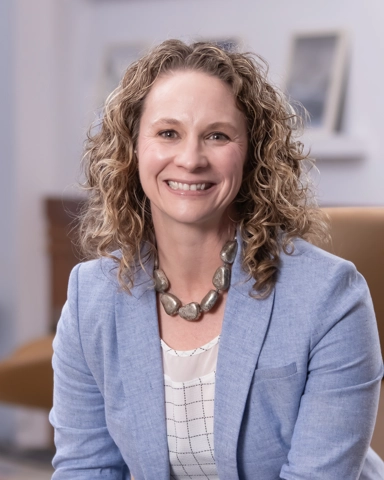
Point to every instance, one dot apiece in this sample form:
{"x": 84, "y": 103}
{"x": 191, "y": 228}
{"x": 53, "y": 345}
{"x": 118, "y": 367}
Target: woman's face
{"x": 192, "y": 146}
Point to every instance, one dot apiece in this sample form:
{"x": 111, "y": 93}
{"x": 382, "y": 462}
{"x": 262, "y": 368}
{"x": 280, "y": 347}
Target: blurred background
{"x": 58, "y": 60}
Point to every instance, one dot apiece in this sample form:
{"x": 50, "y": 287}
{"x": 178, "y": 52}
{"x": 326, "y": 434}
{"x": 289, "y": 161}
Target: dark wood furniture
{"x": 63, "y": 254}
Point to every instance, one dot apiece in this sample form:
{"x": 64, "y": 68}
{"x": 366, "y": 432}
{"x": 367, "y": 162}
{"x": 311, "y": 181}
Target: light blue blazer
{"x": 297, "y": 380}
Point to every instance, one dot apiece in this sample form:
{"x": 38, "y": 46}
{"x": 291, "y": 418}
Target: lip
{"x": 189, "y": 193}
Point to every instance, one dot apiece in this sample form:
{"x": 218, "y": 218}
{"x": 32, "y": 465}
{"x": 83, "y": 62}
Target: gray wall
{"x": 7, "y": 205}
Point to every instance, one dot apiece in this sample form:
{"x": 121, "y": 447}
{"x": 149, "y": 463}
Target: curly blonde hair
{"x": 274, "y": 204}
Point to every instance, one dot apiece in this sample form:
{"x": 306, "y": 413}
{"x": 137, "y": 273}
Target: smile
{"x": 186, "y": 186}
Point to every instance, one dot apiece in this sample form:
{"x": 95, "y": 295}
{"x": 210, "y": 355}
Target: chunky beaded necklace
{"x": 192, "y": 311}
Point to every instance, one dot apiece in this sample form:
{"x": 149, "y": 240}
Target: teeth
{"x": 186, "y": 186}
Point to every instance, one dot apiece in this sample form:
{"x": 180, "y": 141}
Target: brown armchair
{"x": 26, "y": 376}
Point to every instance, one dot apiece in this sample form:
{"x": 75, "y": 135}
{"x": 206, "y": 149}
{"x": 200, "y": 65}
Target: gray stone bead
{"x": 222, "y": 278}
{"x": 228, "y": 252}
{"x": 190, "y": 312}
{"x": 170, "y": 303}
{"x": 161, "y": 281}
{"x": 209, "y": 300}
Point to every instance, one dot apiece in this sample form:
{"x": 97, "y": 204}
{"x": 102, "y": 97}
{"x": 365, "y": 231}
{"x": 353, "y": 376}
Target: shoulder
{"x": 315, "y": 265}
{"x": 95, "y": 282}
{"x": 320, "y": 281}
{"x": 92, "y": 284}
{"x": 323, "y": 291}
{"x": 325, "y": 287}
{"x": 92, "y": 272}
{"x": 102, "y": 274}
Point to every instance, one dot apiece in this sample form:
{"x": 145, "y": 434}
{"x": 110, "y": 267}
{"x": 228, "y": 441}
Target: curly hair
{"x": 275, "y": 202}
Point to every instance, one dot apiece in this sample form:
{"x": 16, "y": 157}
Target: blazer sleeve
{"x": 84, "y": 448}
{"x": 339, "y": 405}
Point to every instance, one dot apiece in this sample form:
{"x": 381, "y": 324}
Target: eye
{"x": 218, "y": 136}
{"x": 168, "y": 134}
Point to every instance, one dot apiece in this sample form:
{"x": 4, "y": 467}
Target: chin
{"x": 189, "y": 215}
{"x": 191, "y": 219}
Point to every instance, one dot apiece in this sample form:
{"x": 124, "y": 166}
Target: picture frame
{"x": 116, "y": 59}
{"x": 230, "y": 44}
{"x": 316, "y": 76}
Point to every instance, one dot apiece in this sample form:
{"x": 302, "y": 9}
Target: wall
{"x": 265, "y": 28}
{"x": 34, "y": 144}
{"x": 51, "y": 91}
{"x": 7, "y": 197}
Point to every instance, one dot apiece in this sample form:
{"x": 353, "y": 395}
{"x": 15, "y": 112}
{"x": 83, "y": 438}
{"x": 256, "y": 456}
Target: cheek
{"x": 232, "y": 163}
{"x": 151, "y": 156}
{"x": 236, "y": 175}
{"x": 149, "y": 163}
{"x": 234, "y": 171}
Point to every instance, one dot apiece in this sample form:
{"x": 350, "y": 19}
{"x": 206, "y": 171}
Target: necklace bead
{"x": 192, "y": 311}
{"x": 209, "y": 300}
{"x": 228, "y": 252}
{"x": 170, "y": 303}
{"x": 222, "y": 278}
{"x": 161, "y": 281}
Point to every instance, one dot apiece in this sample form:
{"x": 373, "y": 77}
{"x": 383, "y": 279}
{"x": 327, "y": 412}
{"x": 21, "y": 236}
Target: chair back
{"x": 358, "y": 235}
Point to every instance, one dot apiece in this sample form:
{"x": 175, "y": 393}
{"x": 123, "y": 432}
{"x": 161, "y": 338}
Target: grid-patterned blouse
{"x": 189, "y": 379}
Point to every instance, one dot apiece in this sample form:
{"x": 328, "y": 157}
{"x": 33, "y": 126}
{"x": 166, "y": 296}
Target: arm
{"x": 85, "y": 450}
{"x": 339, "y": 405}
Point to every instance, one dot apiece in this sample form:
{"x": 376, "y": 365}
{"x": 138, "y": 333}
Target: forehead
{"x": 193, "y": 91}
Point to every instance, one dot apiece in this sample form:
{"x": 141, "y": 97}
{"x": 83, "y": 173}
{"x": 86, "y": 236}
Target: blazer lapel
{"x": 142, "y": 375}
{"x": 245, "y": 325}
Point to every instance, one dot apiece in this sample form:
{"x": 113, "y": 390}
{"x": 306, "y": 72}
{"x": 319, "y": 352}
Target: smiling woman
{"x": 207, "y": 338}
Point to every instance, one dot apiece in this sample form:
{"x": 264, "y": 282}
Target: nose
{"x": 191, "y": 155}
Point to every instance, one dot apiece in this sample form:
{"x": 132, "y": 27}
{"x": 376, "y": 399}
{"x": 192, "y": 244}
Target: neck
{"x": 189, "y": 256}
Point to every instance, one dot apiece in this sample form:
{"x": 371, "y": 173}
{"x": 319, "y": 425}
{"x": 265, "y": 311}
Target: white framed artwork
{"x": 116, "y": 59}
{"x": 316, "y": 77}
{"x": 230, "y": 44}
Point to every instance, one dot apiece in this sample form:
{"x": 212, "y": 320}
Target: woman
{"x": 209, "y": 339}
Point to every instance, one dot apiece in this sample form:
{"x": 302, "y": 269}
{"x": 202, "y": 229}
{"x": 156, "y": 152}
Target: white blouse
{"x": 189, "y": 380}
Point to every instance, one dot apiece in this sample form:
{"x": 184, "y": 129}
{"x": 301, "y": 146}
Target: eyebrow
{"x": 211, "y": 126}
{"x": 168, "y": 121}
{"x": 218, "y": 125}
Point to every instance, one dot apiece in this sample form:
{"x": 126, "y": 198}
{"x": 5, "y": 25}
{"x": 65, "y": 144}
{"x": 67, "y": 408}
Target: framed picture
{"x": 116, "y": 60}
{"x": 316, "y": 77}
{"x": 229, "y": 44}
